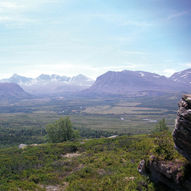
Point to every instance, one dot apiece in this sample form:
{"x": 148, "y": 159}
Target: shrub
{"x": 161, "y": 126}
{"x": 60, "y": 131}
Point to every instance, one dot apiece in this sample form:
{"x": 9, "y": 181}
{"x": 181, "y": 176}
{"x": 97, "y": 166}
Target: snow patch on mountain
{"x": 142, "y": 74}
{"x": 182, "y": 77}
{"x": 51, "y": 84}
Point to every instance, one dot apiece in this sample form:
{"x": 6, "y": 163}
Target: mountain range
{"x": 140, "y": 83}
{"x": 124, "y": 83}
{"x": 51, "y": 84}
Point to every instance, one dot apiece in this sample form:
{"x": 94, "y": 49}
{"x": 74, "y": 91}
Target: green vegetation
{"x": 161, "y": 126}
{"x": 164, "y": 147}
{"x": 90, "y": 133}
{"x": 60, "y": 131}
{"x": 83, "y": 164}
{"x": 95, "y": 164}
{"x": 164, "y": 144}
{"x": 25, "y": 122}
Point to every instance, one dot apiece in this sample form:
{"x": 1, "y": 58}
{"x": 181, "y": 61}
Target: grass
{"x": 97, "y": 164}
{"x": 86, "y": 165}
{"x": 103, "y": 164}
{"x": 93, "y": 116}
{"x": 122, "y": 109}
{"x": 118, "y": 116}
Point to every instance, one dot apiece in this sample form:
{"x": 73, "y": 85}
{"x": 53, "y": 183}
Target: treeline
{"x": 62, "y": 130}
{"x": 9, "y": 136}
{"x": 59, "y": 131}
{"x": 91, "y": 133}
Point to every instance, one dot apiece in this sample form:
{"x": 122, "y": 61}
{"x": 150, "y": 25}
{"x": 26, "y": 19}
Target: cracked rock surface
{"x": 182, "y": 131}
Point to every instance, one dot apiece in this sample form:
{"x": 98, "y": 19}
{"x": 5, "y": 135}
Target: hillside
{"x": 97, "y": 164}
{"x": 137, "y": 83}
{"x": 124, "y": 83}
{"x": 104, "y": 164}
{"x": 182, "y": 77}
{"x": 11, "y": 91}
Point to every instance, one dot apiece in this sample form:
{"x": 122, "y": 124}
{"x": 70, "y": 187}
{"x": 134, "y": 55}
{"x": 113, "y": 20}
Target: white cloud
{"x": 177, "y": 14}
{"x": 168, "y": 72}
{"x": 120, "y": 19}
{"x": 65, "y": 68}
{"x": 133, "y": 52}
{"x": 22, "y": 4}
{"x": 14, "y": 11}
{"x": 70, "y": 69}
{"x": 188, "y": 64}
{"x": 7, "y": 19}
{"x": 10, "y": 5}
{"x": 136, "y": 23}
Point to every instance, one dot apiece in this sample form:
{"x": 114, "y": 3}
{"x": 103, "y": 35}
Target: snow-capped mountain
{"x": 51, "y": 84}
{"x": 17, "y": 79}
{"x": 135, "y": 83}
{"x": 81, "y": 80}
{"x": 182, "y": 77}
{"x": 114, "y": 83}
{"x": 52, "y": 78}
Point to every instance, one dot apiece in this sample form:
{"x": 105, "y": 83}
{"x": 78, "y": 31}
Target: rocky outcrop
{"x": 170, "y": 173}
{"x": 176, "y": 174}
{"x": 182, "y": 131}
{"x": 142, "y": 167}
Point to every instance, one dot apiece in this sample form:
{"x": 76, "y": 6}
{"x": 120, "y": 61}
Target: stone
{"x": 22, "y": 146}
{"x": 142, "y": 167}
{"x": 182, "y": 131}
{"x": 173, "y": 173}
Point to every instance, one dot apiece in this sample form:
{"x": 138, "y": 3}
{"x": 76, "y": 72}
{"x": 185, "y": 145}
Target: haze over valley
{"x": 95, "y": 95}
{"x": 125, "y": 83}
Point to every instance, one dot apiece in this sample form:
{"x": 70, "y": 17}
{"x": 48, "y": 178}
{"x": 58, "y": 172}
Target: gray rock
{"x": 166, "y": 172}
{"x": 22, "y": 146}
{"x": 182, "y": 131}
{"x": 173, "y": 173}
{"x": 142, "y": 167}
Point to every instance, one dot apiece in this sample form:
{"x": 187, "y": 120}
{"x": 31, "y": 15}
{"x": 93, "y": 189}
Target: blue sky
{"x": 69, "y": 37}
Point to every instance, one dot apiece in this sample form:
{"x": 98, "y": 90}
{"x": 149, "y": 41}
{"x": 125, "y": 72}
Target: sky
{"x": 69, "y": 37}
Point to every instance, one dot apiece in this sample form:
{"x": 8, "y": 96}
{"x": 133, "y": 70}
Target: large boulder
{"x": 174, "y": 174}
{"x": 182, "y": 131}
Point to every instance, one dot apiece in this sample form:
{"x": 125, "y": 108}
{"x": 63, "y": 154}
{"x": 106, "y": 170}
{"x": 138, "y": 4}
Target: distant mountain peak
{"x": 15, "y": 75}
{"x": 45, "y": 83}
{"x": 80, "y": 77}
{"x": 183, "y": 77}
{"x": 124, "y": 82}
{"x": 133, "y": 83}
{"x": 12, "y": 91}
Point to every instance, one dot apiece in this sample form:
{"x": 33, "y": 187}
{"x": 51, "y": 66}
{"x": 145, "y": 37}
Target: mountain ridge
{"x": 19, "y": 79}
{"x": 133, "y": 83}
{"x": 52, "y": 84}
{"x": 12, "y": 91}
{"x": 125, "y": 83}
